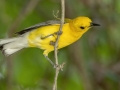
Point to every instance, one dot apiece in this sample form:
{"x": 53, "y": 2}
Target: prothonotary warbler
{"x": 40, "y": 35}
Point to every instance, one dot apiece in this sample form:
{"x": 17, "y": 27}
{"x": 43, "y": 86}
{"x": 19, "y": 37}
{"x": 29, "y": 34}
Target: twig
{"x": 26, "y": 10}
{"x": 56, "y": 14}
{"x": 58, "y": 67}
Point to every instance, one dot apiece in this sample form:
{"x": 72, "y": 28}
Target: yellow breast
{"x": 66, "y": 38}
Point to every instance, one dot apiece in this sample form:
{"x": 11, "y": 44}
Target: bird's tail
{"x": 12, "y": 45}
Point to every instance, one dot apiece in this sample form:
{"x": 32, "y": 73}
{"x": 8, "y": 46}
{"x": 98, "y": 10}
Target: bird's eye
{"x": 82, "y": 27}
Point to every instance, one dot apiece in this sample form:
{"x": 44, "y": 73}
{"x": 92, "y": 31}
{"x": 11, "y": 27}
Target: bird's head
{"x": 82, "y": 24}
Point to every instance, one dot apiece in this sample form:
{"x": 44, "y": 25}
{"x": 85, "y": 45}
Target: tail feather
{"x": 4, "y": 41}
{"x": 8, "y": 52}
{"x": 12, "y": 45}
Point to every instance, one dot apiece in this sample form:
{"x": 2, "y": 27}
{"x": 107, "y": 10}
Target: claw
{"x": 52, "y": 43}
{"x": 60, "y": 67}
{"x": 59, "y": 32}
{"x": 55, "y": 66}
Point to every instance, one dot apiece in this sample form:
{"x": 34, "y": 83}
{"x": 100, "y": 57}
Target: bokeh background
{"x": 92, "y": 63}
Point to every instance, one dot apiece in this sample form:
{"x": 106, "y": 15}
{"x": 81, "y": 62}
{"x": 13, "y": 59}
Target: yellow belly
{"x": 66, "y": 38}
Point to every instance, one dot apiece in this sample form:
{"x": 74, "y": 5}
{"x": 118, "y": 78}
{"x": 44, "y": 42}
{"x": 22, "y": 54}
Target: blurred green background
{"x": 92, "y": 63}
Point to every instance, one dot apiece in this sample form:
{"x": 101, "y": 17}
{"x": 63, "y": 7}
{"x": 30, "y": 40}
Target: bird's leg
{"x": 52, "y": 43}
{"x": 50, "y": 61}
{"x": 47, "y": 36}
{"x": 57, "y": 33}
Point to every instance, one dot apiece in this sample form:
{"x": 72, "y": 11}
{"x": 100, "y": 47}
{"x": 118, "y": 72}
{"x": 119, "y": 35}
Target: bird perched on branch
{"x": 44, "y": 34}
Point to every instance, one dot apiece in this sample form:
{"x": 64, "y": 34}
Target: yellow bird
{"x": 41, "y": 35}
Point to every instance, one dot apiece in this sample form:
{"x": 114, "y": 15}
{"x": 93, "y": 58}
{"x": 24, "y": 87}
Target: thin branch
{"x": 58, "y": 67}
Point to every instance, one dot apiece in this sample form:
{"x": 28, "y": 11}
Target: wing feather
{"x": 50, "y": 22}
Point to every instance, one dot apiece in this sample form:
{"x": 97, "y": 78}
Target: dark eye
{"x": 82, "y": 27}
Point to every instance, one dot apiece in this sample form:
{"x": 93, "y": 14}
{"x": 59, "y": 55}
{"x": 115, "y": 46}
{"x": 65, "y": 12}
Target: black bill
{"x": 95, "y": 24}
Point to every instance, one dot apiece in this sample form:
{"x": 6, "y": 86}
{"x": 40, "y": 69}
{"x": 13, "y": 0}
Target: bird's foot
{"x": 59, "y": 32}
{"x": 60, "y": 67}
{"x": 52, "y": 43}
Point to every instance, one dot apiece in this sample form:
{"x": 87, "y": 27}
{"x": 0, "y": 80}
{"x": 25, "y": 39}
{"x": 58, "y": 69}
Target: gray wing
{"x": 50, "y": 22}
